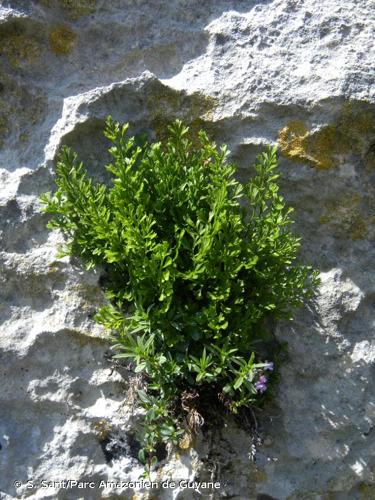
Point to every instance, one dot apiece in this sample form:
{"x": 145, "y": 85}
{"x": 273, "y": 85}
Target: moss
{"x": 359, "y": 229}
{"x": 4, "y": 128}
{"x": 324, "y": 219}
{"x": 366, "y": 491}
{"x": 24, "y": 137}
{"x": 325, "y": 147}
{"x": 369, "y": 158}
{"x": 167, "y": 104}
{"x": 77, "y": 8}
{"x": 16, "y": 100}
{"x": 259, "y": 475}
{"x": 62, "y": 40}
{"x": 312, "y": 495}
{"x": 73, "y": 9}
{"x": 19, "y": 48}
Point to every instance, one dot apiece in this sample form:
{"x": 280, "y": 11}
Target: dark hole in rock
{"x": 221, "y": 38}
{"x": 264, "y": 496}
{"x": 103, "y": 279}
{"x": 113, "y": 448}
{"x": 135, "y": 446}
{"x": 161, "y": 452}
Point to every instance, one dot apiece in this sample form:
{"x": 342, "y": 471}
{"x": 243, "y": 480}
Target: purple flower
{"x": 269, "y": 366}
{"x": 261, "y": 384}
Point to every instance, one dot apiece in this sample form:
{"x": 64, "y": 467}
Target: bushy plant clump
{"x": 195, "y": 263}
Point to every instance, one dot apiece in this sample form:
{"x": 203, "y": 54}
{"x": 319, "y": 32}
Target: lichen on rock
{"x": 77, "y": 8}
{"x": 62, "y": 40}
{"x": 346, "y": 218}
{"x": 18, "y": 46}
{"x": 167, "y": 104}
{"x": 326, "y": 146}
{"x": 72, "y": 9}
{"x": 26, "y": 105}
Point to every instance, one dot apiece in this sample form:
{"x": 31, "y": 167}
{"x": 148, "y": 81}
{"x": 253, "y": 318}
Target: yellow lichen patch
{"x": 62, "y": 40}
{"x": 19, "y": 48}
{"x": 291, "y": 139}
{"x": 325, "y": 146}
{"x": 321, "y": 147}
{"x": 318, "y": 148}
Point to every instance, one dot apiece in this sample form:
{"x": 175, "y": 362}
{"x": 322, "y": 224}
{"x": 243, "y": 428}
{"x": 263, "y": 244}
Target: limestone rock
{"x": 297, "y": 73}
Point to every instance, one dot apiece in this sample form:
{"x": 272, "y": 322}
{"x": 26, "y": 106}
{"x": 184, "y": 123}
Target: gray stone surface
{"x": 297, "y": 72}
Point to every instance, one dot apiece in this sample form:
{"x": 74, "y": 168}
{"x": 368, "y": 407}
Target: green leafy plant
{"x": 195, "y": 264}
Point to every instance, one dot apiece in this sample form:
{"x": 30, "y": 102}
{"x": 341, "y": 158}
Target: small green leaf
{"x": 143, "y": 396}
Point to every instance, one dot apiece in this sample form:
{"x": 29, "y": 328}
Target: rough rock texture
{"x": 300, "y": 72}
